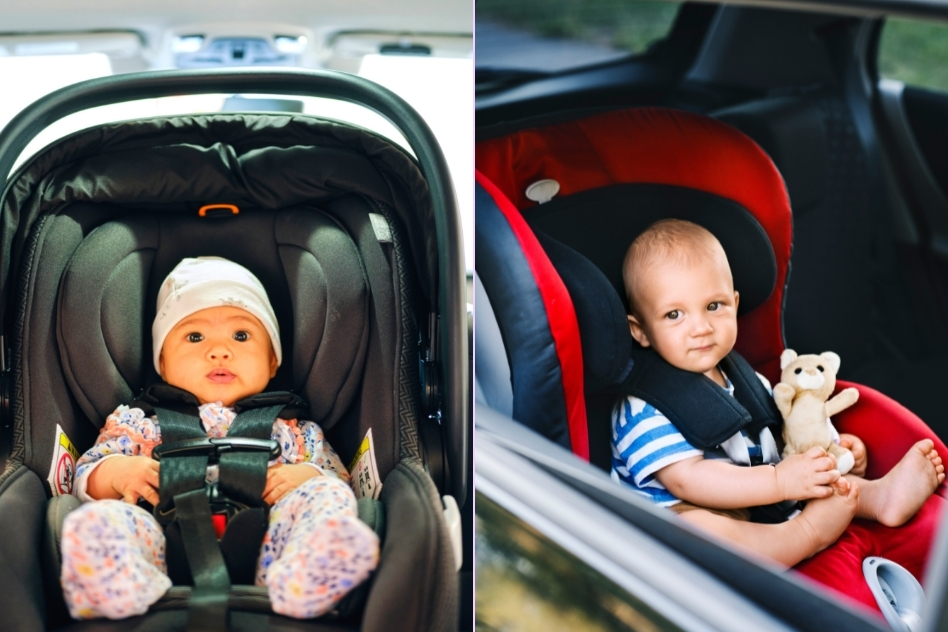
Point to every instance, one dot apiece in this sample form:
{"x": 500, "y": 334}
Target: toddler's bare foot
{"x": 824, "y": 519}
{"x": 898, "y": 495}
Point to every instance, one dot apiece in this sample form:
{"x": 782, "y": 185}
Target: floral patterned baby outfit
{"x": 314, "y": 552}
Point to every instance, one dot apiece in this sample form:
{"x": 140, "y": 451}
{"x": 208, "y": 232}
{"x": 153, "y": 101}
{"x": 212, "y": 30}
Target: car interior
{"x": 752, "y": 121}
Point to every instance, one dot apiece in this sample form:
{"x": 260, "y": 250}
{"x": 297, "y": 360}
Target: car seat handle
{"x": 451, "y": 285}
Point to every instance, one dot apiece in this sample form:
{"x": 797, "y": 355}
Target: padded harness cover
{"x": 700, "y": 409}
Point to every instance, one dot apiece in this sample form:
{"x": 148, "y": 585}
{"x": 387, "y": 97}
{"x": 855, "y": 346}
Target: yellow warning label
{"x": 363, "y": 448}
{"x": 364, "y": 470}
{"x": 67, "y": 444}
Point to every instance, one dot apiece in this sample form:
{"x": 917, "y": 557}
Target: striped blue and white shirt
{"x": 644, "y": 441}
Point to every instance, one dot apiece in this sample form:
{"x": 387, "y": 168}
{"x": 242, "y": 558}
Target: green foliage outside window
{"x": 915, "y": 53}
{"x": 619, "y": 24}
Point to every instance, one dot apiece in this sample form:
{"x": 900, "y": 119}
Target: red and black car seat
{"x": 552, "y": 275}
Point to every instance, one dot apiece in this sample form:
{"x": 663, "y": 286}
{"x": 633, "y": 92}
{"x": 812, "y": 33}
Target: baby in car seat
{"x": 684, "y": 307}
{"x": 216, "y": 336}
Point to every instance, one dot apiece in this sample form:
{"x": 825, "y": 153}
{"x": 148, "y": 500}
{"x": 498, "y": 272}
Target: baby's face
{"x": 218, "y": 354}
{"x": 687, "y": 312}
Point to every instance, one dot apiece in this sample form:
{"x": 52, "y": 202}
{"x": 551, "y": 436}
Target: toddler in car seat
{"x": 684, "y": 307}
{"x": 216, "y": 336}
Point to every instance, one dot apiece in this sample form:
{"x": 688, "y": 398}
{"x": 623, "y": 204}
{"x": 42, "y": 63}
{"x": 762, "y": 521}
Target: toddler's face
{"x": 218, "y": 354}
{"x": 688, "y": 313}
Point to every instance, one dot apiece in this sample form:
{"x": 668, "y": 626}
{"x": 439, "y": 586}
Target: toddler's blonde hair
{"x": 667, "y": 240}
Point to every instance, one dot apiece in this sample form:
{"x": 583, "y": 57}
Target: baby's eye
{"x": 195, "y": 337}
{"x": 715, "y": 306}
{"x": 241, "y": 336}
{"x": 673, "y": 315}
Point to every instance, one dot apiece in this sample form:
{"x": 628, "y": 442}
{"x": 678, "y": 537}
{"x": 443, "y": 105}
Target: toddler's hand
{"x": 125, "y": 477}
{"x": 808, "y": 475}
{"x": 283, "y": 478}
{"x": 855, "y": 445}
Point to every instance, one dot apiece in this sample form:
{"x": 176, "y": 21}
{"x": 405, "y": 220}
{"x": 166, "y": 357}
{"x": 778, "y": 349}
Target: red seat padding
{"x": 888, "y": 429}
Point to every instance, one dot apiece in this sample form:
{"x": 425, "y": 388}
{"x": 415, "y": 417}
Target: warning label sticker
{"x": 364, "y": 471}
{"x": 63, "y": 467}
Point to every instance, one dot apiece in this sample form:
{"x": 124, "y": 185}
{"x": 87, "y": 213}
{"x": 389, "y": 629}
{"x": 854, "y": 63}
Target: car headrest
{"x": 681, "y": 165}
{"x": 310, "y": 266}
{"x": 792, "y": 132}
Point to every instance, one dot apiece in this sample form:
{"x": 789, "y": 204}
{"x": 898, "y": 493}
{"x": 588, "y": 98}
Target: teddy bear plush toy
{"x": 806, "y": 382}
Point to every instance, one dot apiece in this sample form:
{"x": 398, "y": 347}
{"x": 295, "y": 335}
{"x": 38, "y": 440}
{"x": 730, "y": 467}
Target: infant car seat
{"x": 551, "y": 275}
{"x": 358, "y": 247}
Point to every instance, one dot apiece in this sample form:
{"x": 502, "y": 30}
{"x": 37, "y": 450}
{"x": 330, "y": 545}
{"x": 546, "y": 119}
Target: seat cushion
{"x": 308, "y": 263}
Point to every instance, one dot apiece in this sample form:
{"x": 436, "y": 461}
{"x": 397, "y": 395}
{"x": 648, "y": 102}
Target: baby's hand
{"x": 283, "y": 478}
{"x": 808, "y": 475}
{"x": 125, "y": 477}
{"x": 855, "y": 445}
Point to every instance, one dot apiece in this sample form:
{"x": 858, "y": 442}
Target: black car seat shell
{"x": 336, "y": 222}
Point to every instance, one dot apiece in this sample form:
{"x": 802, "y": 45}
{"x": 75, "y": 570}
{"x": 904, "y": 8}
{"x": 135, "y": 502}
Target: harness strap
{"x": 243, "y": 475}
{"x": 184, "y": 473}
{"x": 208, "y": 607}
{"x": 184, "y": 505}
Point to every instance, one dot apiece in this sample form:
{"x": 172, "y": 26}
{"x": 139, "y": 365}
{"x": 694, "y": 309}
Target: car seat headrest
{"x": 309, "y": 265}
{"x": 661, "y": 147}
{"x": 601, "y": 223}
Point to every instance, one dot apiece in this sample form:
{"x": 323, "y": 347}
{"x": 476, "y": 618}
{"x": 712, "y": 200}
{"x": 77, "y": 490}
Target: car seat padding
{"x": 543, "y": 352}
{"x": 601, "y": 223}
{"x": 110, "y": 280}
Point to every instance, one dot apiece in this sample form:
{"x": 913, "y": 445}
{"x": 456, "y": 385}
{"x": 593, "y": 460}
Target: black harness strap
{"x": 703, "y": 412}
{"x": 208, "y": 607}
{"x": 184, "y": 507}
{"x": 243, "y": 475}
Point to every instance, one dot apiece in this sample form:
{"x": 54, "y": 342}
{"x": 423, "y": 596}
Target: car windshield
{"x": 438, "y": 86}
{"x": 551, "y": 37}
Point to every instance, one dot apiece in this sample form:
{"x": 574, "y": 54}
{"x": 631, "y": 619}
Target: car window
{"x": 520, "y": 573}
{"x": 914, "y": 52}
{"x": 547, "y": 36}
{"x": 436, "y": 79}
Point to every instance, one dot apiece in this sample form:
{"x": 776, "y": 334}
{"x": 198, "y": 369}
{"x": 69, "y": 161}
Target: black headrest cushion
{"x": 601, "y": 223}
{"x": 603, "y": 328}
{"x": 309, "y": 265}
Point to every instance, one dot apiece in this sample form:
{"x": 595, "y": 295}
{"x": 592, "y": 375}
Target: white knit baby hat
{"x": 204, "y": 282}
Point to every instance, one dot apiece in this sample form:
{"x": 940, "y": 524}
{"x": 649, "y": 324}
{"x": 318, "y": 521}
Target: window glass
{"x": 554, "y": 35}
{"x": 915, "y": 53}
{"x": 524, "y": 581}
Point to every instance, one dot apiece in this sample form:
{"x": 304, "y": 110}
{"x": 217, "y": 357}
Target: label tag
{"x": 63, "y": 467}
{"x": 364, "y": 471}
{"x": 383, "y": 232}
